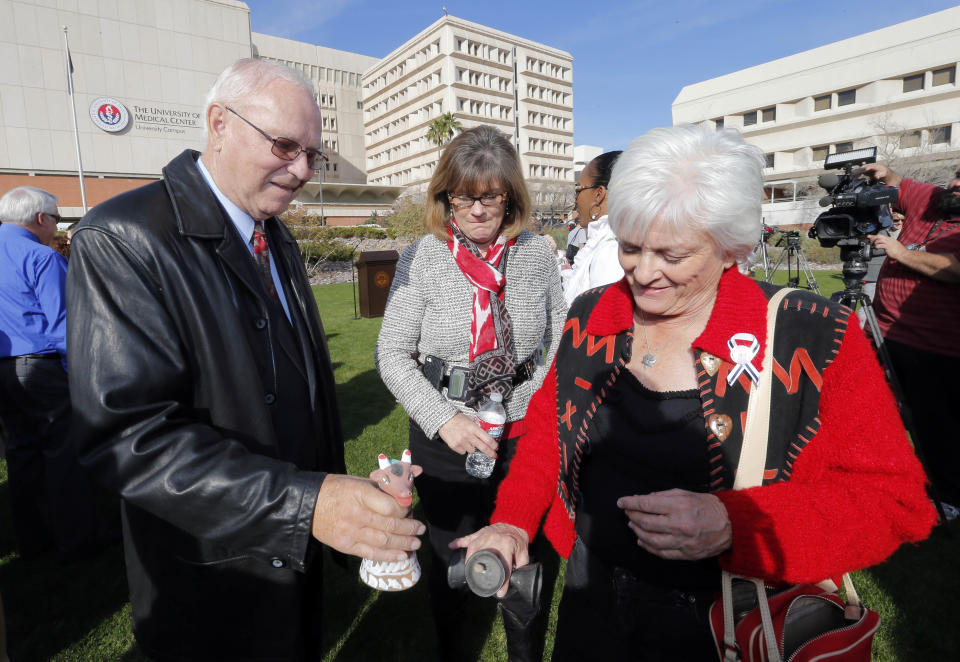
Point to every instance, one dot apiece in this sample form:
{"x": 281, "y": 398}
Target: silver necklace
{"x": 650, "y": 358}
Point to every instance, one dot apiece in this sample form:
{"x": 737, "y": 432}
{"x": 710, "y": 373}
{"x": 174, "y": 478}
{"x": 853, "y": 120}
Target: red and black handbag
{"x": 801, "y": 623}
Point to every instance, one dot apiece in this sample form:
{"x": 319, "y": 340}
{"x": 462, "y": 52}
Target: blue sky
{"x": 630, "y": 59}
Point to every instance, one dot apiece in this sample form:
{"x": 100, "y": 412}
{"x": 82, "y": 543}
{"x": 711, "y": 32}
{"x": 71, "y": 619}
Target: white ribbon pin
{"x": 742, "y": 355}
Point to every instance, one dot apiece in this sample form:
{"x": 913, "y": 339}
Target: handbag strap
{"x": 753, "y": 455}
{"x": 753, "y": 452}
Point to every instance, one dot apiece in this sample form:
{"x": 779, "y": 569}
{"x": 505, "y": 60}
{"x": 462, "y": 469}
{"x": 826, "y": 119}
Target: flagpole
{"x": 73, "y": 115}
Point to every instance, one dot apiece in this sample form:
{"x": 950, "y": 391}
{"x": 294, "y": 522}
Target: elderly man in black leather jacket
{"x": 204, "y": 393}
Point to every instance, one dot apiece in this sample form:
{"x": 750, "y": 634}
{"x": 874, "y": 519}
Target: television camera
{"x": 858, "y": 207}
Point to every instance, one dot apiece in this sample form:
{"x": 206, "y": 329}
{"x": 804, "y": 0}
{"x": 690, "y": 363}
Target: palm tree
{"x": 442, "y": 129}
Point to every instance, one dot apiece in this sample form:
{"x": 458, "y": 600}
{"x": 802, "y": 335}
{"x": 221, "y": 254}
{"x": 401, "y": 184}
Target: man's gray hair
{"x": 690, "y": 178}
{"x": 21, "y": 205}
{"x": 248, "y": 76}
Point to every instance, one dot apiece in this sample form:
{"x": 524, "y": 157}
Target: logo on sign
{"x": 109, "y": 114}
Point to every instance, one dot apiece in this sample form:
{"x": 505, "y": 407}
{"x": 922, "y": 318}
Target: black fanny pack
{"x": 455, "y": 378}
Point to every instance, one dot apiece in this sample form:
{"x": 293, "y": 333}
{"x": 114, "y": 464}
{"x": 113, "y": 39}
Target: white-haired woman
{"x": 647, "y": 396}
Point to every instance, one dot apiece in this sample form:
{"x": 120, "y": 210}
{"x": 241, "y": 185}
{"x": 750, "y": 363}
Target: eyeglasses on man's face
{"x": 55, "y": 217}
{"x": 487, "y": 200}
{"x": 285, "y": 148}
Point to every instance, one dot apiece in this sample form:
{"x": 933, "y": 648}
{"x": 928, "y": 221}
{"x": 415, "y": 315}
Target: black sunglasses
{"x": 285, "y": 148}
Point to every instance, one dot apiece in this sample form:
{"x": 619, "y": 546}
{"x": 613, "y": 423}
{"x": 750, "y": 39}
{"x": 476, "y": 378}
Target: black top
{"x": 643, "y": 441}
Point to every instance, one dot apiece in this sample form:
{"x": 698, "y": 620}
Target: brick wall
{"x": 67, "y": 187}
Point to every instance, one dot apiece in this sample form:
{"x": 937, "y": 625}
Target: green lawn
{"x": 78, "y": 612}
{"x": 828, "y": 281}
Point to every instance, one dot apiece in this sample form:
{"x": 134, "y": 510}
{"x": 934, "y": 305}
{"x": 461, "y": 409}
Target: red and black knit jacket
{"x": 811, "y": 473}
{"x": 809, "y": 333}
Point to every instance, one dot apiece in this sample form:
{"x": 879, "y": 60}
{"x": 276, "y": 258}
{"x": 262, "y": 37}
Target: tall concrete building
{"x": 142, "y": 70}
{"x": 582, "y": 156}
{"x": 482, "y": 76}
{"x": 894, "y": 88}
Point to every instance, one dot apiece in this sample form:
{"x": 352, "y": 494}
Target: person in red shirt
{"x": 918, "y": 309}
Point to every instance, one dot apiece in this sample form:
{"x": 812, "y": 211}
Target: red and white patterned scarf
{"x": 491, "y": 337}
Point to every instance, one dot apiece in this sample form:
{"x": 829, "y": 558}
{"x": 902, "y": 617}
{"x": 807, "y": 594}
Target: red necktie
{"x": 261, "y": 254}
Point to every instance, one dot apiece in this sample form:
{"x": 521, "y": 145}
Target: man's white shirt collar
{"x": 244, "y": 224}
{"x": 241, "y": 219}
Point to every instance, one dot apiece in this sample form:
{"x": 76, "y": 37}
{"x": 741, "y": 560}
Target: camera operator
{"x": 918, "y": 310}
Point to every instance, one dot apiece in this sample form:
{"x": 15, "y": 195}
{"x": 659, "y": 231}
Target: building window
{"x": 911, "y": 139}
{"x": 718, "y": 123}
{"x": 946, "y": 76}
{"x": 820, "y": 153}
{"x": 913, "y": 83}
{"x": 846, "y": 97}
{"x": 823, "y": 103}
{"x": 749, "y": 119}
{"x": 360, "y": 105}
{"x": 769, "y": 159}
{"x": 940, "y": 135}
{"x": 769, "y": 114}
{"x": 843, "y": 147}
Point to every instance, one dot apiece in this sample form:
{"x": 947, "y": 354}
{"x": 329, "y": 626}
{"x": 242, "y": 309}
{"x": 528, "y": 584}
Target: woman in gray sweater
{"x": 473, "y": 308}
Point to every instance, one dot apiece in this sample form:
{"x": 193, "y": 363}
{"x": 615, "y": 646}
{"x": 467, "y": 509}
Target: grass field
{"x": 79, "y": 612}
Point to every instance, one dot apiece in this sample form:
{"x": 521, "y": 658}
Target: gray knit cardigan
{"x": 429, "y": 311}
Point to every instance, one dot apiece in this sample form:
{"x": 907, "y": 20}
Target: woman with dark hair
{"x": 596, "y": 262}
{"x": 632, "y": 458}
{"x": 473, "y": 308}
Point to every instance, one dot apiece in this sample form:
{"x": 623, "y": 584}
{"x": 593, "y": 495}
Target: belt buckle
{"x": 458, "y": 383}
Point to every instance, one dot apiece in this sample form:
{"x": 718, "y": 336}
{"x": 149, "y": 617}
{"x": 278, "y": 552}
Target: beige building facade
{"x": 894, "y": 88}
{"x": 481, "y": 76}
{"x": 142, "y": 70}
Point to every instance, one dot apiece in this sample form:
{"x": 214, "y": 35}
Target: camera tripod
{"x": 851, "y": 296}
{"x": 760, "y": 252}
{"x": 795, "y": 259}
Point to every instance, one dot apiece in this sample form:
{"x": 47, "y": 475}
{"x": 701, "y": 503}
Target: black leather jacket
{"x": 184, "y": 408}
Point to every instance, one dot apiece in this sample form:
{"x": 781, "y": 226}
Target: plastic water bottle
{"x": 491, "y": 417}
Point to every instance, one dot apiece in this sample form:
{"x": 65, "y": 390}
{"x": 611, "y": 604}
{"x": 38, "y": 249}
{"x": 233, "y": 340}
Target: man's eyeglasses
{"x": 579, "y": 189}
{"x": 487, "y": 200}
{"x": 55, "y": 217}
{"x": 287, "y": 149}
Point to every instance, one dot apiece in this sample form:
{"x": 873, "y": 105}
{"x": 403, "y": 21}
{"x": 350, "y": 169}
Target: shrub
{"x": 317, "y": 251}
{"x": 299, "y": 216}
{"x": 407, "y": 220}
{"x": 315, "y": 233}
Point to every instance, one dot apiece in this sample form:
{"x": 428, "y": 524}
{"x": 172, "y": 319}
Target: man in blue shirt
{"x": 50, "y": 496}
